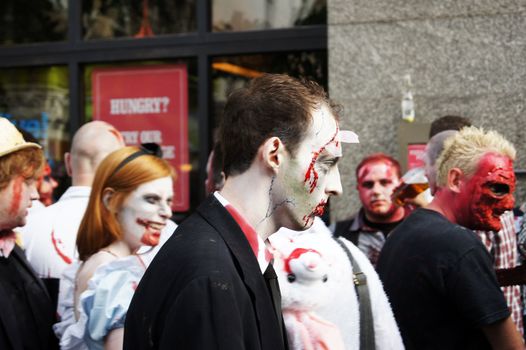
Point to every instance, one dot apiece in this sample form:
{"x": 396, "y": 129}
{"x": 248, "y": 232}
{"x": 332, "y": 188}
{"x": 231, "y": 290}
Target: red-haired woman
{"x": 128, "y": 207}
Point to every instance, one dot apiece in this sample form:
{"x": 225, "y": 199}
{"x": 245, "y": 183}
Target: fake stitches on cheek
{"x": 271, "y": 205}
{"x": 17, "y": 196}
{"x": 152, "y": 234}
{"x": 311, "y": 176}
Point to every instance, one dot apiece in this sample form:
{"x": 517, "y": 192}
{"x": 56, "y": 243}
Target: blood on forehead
{"x": 368, "y": 167}
{"x": 496, "y": 165}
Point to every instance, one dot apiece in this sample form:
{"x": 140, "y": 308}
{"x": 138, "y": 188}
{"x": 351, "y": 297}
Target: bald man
{"x": 50, "y": 234}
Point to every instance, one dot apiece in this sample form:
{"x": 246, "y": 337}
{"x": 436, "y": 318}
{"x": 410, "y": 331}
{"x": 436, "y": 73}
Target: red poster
{"x": 149, "y": 104}
{"x": 415, "y": 155}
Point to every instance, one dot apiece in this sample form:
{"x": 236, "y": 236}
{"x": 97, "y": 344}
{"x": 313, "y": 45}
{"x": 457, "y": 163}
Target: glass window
{"x": 231, "y": 72}
{"x": 36, "y": 100}
{"x": 30, "y": 21}
{"x": 131, "y": 97}
{"x": 105, "y": 19}
{"x": 239, "y": 15}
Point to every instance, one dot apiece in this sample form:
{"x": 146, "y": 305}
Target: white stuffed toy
{"x": 303, "y": 275}
{"x": 319, "y": 301}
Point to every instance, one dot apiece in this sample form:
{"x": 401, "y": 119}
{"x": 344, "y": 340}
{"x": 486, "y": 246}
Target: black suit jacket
{"x": 204, "y": 290}
{"x": 39, "y": 304}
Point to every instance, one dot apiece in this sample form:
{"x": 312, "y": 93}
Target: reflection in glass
{"x": 239, "y": 15}
{"x": 232, "y": 72}
{"x": 36, "y": 100}
{"x": 193, "y": 126}
{"x": 30, "y": 21}
{"x": 105, "y": 19}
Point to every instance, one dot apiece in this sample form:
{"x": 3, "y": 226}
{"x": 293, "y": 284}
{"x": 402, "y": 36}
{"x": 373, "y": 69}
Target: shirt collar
{"x": 259, "y": 247}
{"x": 76, "y": 192}
{"x": 7, "y": 244}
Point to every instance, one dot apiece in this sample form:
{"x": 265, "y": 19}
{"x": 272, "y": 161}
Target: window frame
{"x": 202, "y": 45}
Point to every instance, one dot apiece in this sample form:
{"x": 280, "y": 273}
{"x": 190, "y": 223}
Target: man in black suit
{"x": 26, "y": 312}
{"x": 212, "y": 286}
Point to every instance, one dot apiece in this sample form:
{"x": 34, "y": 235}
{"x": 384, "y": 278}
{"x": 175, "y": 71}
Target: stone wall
{"x": 465, "y": 58}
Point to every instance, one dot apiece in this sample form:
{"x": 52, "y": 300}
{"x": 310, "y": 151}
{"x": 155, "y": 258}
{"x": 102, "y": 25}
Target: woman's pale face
{"x": 145, "y": 212}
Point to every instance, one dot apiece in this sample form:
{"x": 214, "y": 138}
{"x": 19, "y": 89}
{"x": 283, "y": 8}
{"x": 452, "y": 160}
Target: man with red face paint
{"x": 212, "y": 285}
{"x": 26, "y": 311}
{"x": 501, "y": 244}
{"x": 46, "y": 185}
{"x": 437, "y": 273}
{"x": 377, "y": 176}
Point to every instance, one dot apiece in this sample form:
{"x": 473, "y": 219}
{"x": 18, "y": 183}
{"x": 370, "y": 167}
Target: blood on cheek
{"x": 17, "y": 196}
{"x": 311, "y": 172}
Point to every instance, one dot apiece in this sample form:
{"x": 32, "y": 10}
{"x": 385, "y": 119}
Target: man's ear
{"x": 455, "y": 178}
{"x": 107, "y": 195}
{"x": 272, "y": 152}
{"x": 67, "y": 162}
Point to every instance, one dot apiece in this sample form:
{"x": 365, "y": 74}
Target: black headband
{"x": 150, "y": 148}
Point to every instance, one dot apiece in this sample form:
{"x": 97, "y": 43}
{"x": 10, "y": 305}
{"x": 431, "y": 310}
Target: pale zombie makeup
{"x": 488, "y": 193}
{"x": 313, "y": 174}
{"x": 145, "y": 212}
{"x": 376, "y": 183}
{"x": 17, "y": 197}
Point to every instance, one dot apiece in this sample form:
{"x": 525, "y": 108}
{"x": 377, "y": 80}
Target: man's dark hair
{"x": 448, "y": 122}
{"x": 271, "y": 105}
{"x": 379, "y": 158}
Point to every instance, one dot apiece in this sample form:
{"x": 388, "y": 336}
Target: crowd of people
{"x": 254, "y": 266}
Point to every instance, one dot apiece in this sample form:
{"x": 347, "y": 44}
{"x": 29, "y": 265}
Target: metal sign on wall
{"x": 149, "y": 104}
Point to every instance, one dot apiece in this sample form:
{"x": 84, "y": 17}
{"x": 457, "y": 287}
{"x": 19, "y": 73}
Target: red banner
{"x": 149, "y": 104}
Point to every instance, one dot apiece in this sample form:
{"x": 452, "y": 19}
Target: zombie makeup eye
{"x": 323, "y": 168}
{"x": 385, "y": 182}
{"x": 499, "y": 189}
{"x": 152, "y": 199}
{"x": 367, "y": 184}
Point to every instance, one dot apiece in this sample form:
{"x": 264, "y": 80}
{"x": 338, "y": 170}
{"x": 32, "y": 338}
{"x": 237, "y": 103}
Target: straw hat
{"x": 11, "y": 139}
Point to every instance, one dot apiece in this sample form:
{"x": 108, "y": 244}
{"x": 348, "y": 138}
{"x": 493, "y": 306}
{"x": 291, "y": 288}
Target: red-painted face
{"x": 488, "y": 193}
{"x": 376, "y": 183}
{"x": 46, "y": 185}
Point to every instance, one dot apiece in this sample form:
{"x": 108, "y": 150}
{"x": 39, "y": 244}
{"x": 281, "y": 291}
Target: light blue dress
{"x": 102, "y": 306}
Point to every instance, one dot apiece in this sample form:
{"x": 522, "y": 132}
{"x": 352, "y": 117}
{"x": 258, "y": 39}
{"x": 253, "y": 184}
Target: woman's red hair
{"x": 99, "y": 226}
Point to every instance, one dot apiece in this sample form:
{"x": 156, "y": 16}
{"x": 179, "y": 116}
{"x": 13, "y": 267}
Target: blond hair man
{"x": 450, "y": 297}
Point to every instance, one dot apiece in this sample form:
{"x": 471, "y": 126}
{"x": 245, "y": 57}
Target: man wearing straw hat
{"x": 26, "y": 314}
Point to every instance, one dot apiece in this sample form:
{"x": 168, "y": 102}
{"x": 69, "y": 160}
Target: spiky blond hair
{"x": 464, "y": 150}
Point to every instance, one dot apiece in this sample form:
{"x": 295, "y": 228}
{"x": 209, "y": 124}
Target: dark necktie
{"x": 271, "y": 279}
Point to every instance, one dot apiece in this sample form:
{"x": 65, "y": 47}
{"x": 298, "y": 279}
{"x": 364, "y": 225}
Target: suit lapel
{"x": 7, "y": 317}
{"x": 19, "y": 255}
{"x": 248, "y": 268}
{"x": 37, "y": 296}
